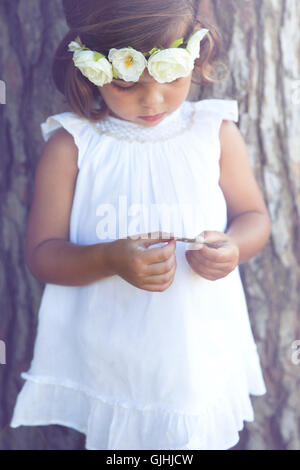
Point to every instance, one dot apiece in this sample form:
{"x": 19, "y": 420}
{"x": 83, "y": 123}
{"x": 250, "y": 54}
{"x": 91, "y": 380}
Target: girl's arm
{"x": 248, "y": 218}
{"x": 50, "y": 257}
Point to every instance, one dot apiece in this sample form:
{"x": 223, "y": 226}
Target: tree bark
{"x": 262, "y": 44}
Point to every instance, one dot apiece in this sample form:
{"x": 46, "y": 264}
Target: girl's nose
{"x": 152, "y": 97}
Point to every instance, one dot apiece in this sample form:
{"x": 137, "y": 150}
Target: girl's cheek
{"x": 123, "y": 95}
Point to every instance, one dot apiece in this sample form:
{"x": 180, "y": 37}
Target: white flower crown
{"x": 164, "y": 65}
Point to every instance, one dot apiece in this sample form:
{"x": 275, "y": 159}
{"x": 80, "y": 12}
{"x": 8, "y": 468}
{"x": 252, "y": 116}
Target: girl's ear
{"x": 196, "y": 76}
{"x": 99, "y": 102}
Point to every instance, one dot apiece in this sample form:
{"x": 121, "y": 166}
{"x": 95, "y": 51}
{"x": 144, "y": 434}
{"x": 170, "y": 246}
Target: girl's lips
{"x": 152, "y": 118}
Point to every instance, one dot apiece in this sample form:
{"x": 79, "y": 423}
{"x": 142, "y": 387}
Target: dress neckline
{"x": 169, "y": 118}
{"x": 171, "y": 126}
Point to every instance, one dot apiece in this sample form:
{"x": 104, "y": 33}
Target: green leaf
{"x": 177, "y": 43}
{"x": 114, "y": 73}
{"x": 97, "y": 56}
{"x": 153, "y": 50}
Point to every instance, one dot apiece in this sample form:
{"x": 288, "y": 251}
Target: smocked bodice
{"x": 172, "y": 125}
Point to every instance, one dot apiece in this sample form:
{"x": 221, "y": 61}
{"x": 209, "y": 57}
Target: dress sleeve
{"x": 76, "y": 126}
{"x": 224, "y": 109}
{"x": 209, "y": 115}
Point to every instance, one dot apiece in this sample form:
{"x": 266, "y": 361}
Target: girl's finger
{"x": 160, "y": 254}
{"x": 208, "y": 271}
{"x": 211, "y": 274}
{"x": 160, "y": 278}
{"x": 162, "y": 267}
{"x": 209, "y": 263}
{"x": 157, "y": 288}
{"x": 218, "y": 255}
{"x": 198, "y": 269}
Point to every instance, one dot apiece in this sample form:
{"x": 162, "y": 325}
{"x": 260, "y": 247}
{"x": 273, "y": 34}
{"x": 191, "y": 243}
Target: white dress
{"x": 129, "y": 368}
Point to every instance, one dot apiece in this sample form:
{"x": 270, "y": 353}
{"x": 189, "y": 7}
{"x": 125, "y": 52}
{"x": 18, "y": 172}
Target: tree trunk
{"x": 262, "y": 44}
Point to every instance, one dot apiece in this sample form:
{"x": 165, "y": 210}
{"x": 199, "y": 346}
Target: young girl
{"x": 143, "y": 340}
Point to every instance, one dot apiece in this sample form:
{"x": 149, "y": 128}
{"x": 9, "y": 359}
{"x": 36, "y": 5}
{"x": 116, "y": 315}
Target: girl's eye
{"x": 123, "y": 88}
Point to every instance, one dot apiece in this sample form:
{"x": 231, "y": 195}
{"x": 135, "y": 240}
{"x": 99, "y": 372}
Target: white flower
{"x": 127, "y": 63}
{"x": 164, "y": 65}
{"x": 193, "y": 45}
{"x": 94, "y": 66}
{"x": 74, "y": 46}
{"x": 169, "y": 64}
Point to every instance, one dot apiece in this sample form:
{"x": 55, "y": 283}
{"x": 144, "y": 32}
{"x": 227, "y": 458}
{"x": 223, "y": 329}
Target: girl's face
{"x": 131, "y": 101}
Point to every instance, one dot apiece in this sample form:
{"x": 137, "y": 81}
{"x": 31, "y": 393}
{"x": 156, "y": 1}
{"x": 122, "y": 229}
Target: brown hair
{"x": 102, "y": 25}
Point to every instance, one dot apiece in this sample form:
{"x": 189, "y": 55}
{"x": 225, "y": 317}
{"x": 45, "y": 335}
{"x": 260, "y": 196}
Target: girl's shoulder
{"x": 219, "y": 108}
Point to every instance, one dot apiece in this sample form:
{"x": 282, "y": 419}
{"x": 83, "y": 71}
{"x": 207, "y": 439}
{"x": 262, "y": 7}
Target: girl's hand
{"x": 149, "y": 269}
{"x": 213, "y": 263}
